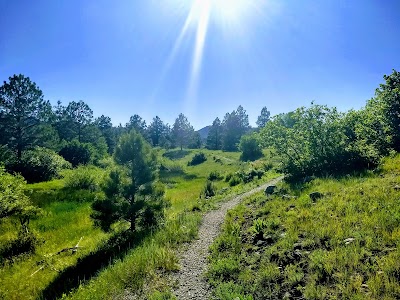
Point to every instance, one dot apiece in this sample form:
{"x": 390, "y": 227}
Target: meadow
{"x": 107, "y": 265}
{"x": 330, "y": 238}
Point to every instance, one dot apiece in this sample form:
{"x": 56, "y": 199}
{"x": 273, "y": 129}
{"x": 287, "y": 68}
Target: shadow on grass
{"x": 170, "y": 175}
{"x": 176, "y": 154}
{"x": 88, "y": 266}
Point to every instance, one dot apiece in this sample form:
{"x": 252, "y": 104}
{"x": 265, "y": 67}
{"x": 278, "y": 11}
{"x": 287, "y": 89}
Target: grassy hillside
{"x": 344, "y": 245}
{"x": 109, "y": 263}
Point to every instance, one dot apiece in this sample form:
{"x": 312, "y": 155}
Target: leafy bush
{"x": 209, "y": 189}
{"x": 314, "y": 142}
{"x": 77, "y": 153}
{"x": 197, "y": 159}
{"x": 235, "y": 180}
{"x": 250, "y": 147}
{"x": 84, "y": 178}
{"x": 14, "y": 203}
{"x": 228, "y": 177}
{"x": 40, "y": 164}
{"x": 214, "y": 175}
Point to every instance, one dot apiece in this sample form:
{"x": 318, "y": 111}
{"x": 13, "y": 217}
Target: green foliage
{"x": 77, "y": 153}
{"x": 104, "y": 124}
{"x": 72, "y": 120}
{"x": 182, "y": 131}
{"x": 263, "y": 118}
{"x": 159, "y": 133}
{"x": 132, "y": 193}
{"x": 39, "y": 164}
{"x": 250, "y": 147}
{"x": 22, "y": 110}
{"x": 214, "y": 137}
{"x": 315, "y": 144}
{"x": 209, "y": 189}
{"x": 235, "y": 124}
{"x": 388, "y": 97}
{"x": 13, "y": 201}
{"x": 214, "y": 176}
{"x": 25, "y": 243}
{"x": 234, "y": 180}
{"x": 343, "y": 246}
{"x": 197, "y": 159}
{"x": 83, "y": 178}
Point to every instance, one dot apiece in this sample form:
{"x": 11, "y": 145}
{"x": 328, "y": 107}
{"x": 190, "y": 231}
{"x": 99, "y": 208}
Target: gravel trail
{"x": 193, "y": 261}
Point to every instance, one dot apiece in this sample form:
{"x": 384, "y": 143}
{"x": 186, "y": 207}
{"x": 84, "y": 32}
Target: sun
{"x": 232, "y": 17}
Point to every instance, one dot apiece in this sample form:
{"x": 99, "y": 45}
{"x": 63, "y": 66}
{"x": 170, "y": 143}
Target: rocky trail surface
{"x": 193, "y": 261}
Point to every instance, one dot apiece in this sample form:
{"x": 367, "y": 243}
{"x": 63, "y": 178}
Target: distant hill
{"x": 204, "y": 132}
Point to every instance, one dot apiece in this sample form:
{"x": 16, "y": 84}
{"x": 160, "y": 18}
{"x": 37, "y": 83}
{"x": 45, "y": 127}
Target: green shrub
{"x": 197, "y": 159}
{"x": 225, "y": 269}
{"x": 209, "y": 189}
{"x": 230, "y": 290}
{"x": 228, "y": 177}
{"x": 84, "y": 178}
{"x": 77, "y": 153}
{"x": 214, "y": 175}
{"x": 39, "y": 164}
{"x": 250, "y": 147}
{"x": 235, "y": 180}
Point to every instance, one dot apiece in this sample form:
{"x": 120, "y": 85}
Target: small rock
{"x": 348, "y": 241}
{"x": 269, "y": 190}
{"x": 288, "y": 197}
{"x": 287, "y": 296}
{"x": 260, "y": 243}
{"x": 396, "y": 187}
{"x": 316, "y": 195}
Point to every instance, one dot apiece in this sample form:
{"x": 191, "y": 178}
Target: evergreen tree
{"x": 104, "y": 124}
{"x": 22, "y": 113}
{"x": 263, "y": 118}
{"x": 235, "y": 124}
{"x": 71, "y": 120}
{"x": 182, "y": 131}
{"x": 132, "y": 193}
{"x": 136, "y": 122}
{"x": 214, "y": 138}
{"x": 157, "y": 132}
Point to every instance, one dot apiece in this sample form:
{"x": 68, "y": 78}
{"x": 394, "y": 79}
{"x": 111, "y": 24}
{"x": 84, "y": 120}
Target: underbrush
{"x": 343, "y": 244}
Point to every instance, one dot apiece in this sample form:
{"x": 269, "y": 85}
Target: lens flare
{"x": 231, "y": 16}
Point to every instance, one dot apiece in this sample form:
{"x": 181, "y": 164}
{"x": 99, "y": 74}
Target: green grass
{"x": 345, "y": 245}
{"x": 66, "y": 218}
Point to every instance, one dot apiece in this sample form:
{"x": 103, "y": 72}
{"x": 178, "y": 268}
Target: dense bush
{"x": 84, "y": 178}
{"x": 77, "y": 153}
{"x": 315, "y": 143}
{"x": 209, "y": 189}
{"x": 39, "y": 164}
{"x": 214, "y": 175}
{"x": 235, "y": 180}
{"x": 15, "y": 204}
{"x": 197, "y": 159}
{"x": 250, "y": 147}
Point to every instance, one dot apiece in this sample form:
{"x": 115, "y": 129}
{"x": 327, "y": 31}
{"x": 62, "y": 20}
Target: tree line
{"x": 28, "y": 121}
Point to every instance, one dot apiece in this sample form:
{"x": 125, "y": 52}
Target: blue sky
{"x": 125, "y": 57}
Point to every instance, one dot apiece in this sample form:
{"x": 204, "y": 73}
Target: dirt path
{"x": 193, "y": 261}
